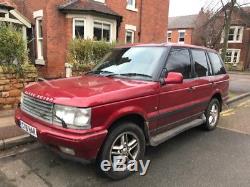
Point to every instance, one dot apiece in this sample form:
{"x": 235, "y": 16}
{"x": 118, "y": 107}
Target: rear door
{"x": 220, "y": 78}
{"x": 203, "y": 83}
{"x": 176, "y": 101}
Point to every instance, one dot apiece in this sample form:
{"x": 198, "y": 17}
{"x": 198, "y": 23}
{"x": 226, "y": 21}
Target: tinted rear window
{"x": 217, "y": 65}
{"x": 200, "y": 63}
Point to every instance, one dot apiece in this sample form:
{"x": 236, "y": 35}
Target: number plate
{"x": 28, "y": 129}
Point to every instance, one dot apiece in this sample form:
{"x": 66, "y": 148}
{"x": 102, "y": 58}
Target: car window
{"x": 217, "y": 65}
{"x": 200, "y": 63}
{"x": 179, "y": 61}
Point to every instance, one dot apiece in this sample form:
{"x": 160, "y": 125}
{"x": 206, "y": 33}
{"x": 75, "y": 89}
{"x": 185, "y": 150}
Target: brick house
{"x": 56, "y": 22}
{"x": 238, "y": 53}
{"x": 180, "y": 29}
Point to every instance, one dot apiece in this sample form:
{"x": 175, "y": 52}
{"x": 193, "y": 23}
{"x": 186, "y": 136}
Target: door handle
{"x": 191, "y": 89}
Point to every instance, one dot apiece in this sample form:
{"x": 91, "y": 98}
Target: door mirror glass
{"x": 174, "y": 78}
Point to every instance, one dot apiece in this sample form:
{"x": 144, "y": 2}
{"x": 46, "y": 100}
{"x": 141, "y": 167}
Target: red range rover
{"x": 138, "y": 95}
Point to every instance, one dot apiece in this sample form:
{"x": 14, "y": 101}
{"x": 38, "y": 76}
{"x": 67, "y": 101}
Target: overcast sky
{"x": 188, "y": 7}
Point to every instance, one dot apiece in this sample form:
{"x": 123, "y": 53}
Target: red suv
{"x": 138, "y": 95}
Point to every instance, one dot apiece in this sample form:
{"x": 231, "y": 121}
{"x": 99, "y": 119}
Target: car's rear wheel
{"x": 126, "y": 140}
{"x": 212, "y": 114}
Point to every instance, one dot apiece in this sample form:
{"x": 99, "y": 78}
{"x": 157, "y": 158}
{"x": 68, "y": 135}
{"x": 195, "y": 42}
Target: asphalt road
{"x": 239, "y": 83}
{"x": 194, "y": 158}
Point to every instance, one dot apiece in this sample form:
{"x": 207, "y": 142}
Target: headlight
{"x": 75, "y": 118}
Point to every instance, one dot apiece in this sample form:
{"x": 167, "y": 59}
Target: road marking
{"x": 244, "y": 104}
{"x": 228, "y": 112}
{"x": 233, "y": 130}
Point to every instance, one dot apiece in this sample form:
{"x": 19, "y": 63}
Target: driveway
{"x": 194, "y": 158}
{"x": 239, "y": 83}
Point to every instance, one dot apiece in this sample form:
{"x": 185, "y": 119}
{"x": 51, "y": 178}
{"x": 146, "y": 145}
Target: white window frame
{"x": 132, "y": 7}
{"x": 130, "y": 28}
{"x": 103, "y": 22}
{"x": 236, "y": 29}
{"x": 38, "y": 15}
{"x": 73, "y": 30}
{"x": 101, "y": 1}
{"x": 133, "y": 36}
{"x": 89, "y": 25}
{"x": 38, "y": 40}
{"x": 170, "y": 32}
{"x": 181, "y": 31}
{"x": 232, "y": 56}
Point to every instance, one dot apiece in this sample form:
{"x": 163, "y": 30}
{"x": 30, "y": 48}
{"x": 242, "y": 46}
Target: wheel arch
{"x": 219, "y": 97}
{"x": 136, "y": 118}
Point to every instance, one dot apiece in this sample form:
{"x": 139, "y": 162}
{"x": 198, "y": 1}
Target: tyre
{"x": 212, "y": 114}
{"x": 127, "y": 140}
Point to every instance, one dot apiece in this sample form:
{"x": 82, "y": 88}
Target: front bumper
{"x": 85, "y": 143}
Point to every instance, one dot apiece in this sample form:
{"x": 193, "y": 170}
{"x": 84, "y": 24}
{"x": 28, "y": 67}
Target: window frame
{"x": 102, "y": 22}
{"x": 211, "y": 63}
{"x": 232, "y": 56}
{"x": 190, "y": 58}
{"x": 133, "y": 36}
{"x": 210, "y": 70}
{"x": 236, "y": 30}
{"x": 100, "y": 1}
{"x": 179, "y": 32}
{"x": 171, "y": 33}
{"x": 132, "y": 7}
{"x": 74, "y": 21}
{"x": 39, "y": 40}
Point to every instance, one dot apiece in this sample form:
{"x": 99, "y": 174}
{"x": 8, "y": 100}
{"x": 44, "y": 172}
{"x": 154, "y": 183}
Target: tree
{"x": 228, "y": 11}
{"x": 12, "y": 45}
{"x": 211, "y": 24}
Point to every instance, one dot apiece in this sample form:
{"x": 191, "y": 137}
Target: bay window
{"x": 102, "y": 31}
{"x": 78, "y": 28}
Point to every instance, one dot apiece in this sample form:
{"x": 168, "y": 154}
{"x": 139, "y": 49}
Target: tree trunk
{"x": 228, "y": 20}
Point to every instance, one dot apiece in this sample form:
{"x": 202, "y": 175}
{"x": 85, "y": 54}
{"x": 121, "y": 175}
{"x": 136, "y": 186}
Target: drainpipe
{"x": 140, "y": 23}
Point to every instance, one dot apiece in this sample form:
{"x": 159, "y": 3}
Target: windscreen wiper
{"x": 135, "y": 74}
{"x": 100, "y": 72}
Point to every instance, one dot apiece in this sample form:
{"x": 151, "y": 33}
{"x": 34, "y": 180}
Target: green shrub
{"x": 12, "y": 45}
{"x": 84, "y": 54}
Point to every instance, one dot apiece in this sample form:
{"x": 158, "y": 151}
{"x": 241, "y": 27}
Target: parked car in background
{"x": 139, "y": 95}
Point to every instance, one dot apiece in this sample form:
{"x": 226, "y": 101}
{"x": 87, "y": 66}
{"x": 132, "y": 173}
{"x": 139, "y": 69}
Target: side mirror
{"x": 174, "y": 78}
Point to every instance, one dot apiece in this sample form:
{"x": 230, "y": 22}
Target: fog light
{"x": 67, "y": 150}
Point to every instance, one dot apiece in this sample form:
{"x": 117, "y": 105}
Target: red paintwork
{"x": 174, "y": 78}
{"x": 113, "y": 98}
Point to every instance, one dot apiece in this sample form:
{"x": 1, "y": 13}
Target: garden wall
{"x": 12, "y": 84}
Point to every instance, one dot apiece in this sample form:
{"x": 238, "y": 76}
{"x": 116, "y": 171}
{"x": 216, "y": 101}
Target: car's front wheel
{"x": 212, "y": 114}
{"x": 127, "y": 141}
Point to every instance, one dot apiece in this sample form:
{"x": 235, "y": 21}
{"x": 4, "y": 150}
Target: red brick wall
{"x": 154, "y": 20}
{"x": 188, "y": 35}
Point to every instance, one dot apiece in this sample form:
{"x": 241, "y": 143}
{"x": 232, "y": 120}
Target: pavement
{"x": 194, "y": 158}
{"x": 239, "y": 82}
{"x": 8, "y": 127}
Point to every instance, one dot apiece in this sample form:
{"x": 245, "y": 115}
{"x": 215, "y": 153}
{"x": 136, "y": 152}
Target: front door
{"x": 176, "y": 100}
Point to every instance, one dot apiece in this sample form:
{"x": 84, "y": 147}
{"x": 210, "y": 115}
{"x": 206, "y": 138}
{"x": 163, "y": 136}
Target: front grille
{"x": 37, "y": 108}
